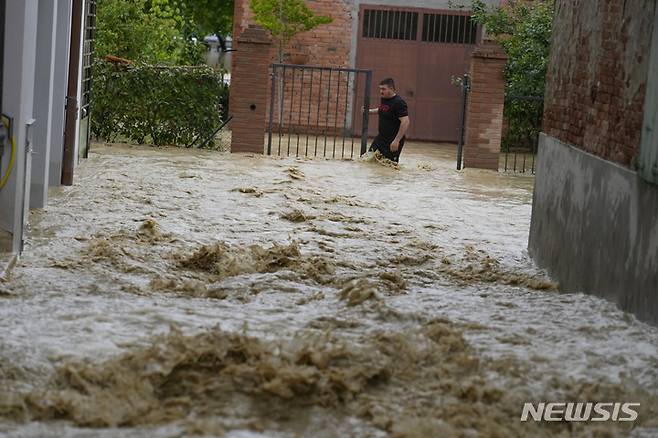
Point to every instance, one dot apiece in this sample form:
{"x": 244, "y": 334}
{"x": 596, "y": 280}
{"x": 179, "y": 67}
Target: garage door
{"x": 422, "y": 49}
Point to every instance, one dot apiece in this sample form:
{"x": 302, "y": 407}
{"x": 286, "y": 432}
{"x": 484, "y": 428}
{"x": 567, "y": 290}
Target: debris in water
{"x": 339, "y": 217}
{"x": 350, "y": 201}
{"x": 100, "y": 249}
{"x": 5, "y": 292}
{"x": 295, "y": 173}
{"x": 326, "y": 247}
{"x": 378, "y": 158}
{"x": 436, "y": 227}
{"x": 223, "y": 260}
{"x": 185, "y": 175}
{"x": 477, "y": 266}
{"x": 409, "y": 260}
{"x": 150, "y": 231}
{"x": 187, "y": 287}
{"x": 324, "y": 232}
{"x": 353, "y": 229}
{"x": 297, "y": 216}
{"x": 249, "y": 190}
{"x": 394, "y": 279}
{"x": 357, "y": 291}
{"x": 317, "y": 296}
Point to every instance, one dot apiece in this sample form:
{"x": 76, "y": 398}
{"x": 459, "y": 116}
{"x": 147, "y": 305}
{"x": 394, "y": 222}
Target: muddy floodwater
{"x": 177, "y": 293}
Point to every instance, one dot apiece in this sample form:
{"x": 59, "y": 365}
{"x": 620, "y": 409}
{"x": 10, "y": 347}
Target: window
{"x": 397, "y": 25}
{"x": 449, "y": 29}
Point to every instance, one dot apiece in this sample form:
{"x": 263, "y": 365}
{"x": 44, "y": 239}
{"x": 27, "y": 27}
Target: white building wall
{"x": 17, "y": 98}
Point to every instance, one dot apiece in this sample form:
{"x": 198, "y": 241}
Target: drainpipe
{"x": 68, "y": 161}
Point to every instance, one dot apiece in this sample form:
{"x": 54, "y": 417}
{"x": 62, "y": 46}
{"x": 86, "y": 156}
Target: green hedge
{"x": 156, "y": 104}
{"x": 524, "y": 122}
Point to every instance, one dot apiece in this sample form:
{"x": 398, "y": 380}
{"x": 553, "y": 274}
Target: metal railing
{"x": 523, "y": 122}
{"x": 317, "y": 111}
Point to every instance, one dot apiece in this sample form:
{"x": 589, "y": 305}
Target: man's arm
{"x": 404, "y": 125}
{"x": 370, "y": 110}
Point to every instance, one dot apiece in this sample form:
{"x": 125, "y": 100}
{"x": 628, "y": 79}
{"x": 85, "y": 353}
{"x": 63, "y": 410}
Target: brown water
{"x": 174, "y": 292}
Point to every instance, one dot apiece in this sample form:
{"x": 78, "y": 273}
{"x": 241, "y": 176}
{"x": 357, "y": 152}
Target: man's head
{"x": 387, "y": 88}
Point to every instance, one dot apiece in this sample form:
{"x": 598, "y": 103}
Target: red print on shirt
{"x": 384, "y": 108}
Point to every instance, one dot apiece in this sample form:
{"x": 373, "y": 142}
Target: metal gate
{"x": 313, "y": 109}
{"x": 522, "y": 124}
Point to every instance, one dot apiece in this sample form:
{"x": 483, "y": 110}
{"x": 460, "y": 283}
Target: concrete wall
{"x": 18, "y": 98}
{"x": 597, "y": 75}
{"x": 595, "y": 227}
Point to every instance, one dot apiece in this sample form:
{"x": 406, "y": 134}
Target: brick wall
{"x": 327, "y": 45}
{"x": 597, "y": 76}
{"x": 484, "y": 114}
{"x": 249, "y": 91}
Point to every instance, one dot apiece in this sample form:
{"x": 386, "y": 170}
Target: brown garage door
{"x": 422, "y": 49}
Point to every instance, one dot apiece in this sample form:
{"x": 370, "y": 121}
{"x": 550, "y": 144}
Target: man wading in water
{"x": 393, "y": 122}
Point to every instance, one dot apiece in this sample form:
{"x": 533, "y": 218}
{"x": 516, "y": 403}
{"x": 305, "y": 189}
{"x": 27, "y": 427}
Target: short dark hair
{"x": 388, "y": 82}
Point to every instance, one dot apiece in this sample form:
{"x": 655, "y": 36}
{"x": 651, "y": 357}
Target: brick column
{"x": 484, "y": 114}
{"x": 250, "y": 85}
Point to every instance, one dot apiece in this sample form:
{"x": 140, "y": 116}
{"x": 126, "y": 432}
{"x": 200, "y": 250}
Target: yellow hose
{"x": 5, "y": 178}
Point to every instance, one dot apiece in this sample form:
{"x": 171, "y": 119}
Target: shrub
{"x": 162, "y": 105}
{"x": 523, "y": 29}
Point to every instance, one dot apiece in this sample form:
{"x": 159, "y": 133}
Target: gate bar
{"x": 272, "y": 103}
{"x": 308, "y": 120}
{"x": 333, "y": 154}
{"x": 356, "y": 103}
{"x": 326, "y": 125}
{"x": 299, "y": 116}
{"x": 462, "y": 125}
{"x": 317, "y": 120}
{"x": 283, "y": 93}
{"x": 347, "y": 98}
{"x": 366, "y": 112}
{"x": 292, "y": 100}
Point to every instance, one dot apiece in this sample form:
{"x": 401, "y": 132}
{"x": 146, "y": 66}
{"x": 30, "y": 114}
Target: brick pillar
{"x": 484, "y": 114}
{"x": 250, "y": 85}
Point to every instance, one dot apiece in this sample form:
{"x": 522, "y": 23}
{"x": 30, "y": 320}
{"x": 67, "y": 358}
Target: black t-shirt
{"x": 390, "y": 111}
